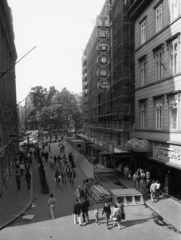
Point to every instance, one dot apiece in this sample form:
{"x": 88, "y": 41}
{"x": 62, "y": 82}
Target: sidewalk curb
{"x": 13, "y": 219}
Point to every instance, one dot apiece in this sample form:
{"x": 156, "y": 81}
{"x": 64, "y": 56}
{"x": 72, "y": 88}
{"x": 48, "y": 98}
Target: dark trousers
{"x": 28, "y": 183}
{"x": 85, "y": 216}
{"x": 21, "y": 172}
{"x": 107, "y": 215}
{"x": 18, "y": 182}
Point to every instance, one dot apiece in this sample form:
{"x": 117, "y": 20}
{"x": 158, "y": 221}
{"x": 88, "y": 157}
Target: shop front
{"x": 163, "y": 160}
{"x": 167, "y": 167}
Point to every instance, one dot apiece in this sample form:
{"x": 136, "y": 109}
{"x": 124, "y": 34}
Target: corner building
{"x": 157, "y": 51}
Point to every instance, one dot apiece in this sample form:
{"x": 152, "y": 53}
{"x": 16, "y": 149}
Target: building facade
{"x": 157, "y": 49}
{"x": 108, "y": 115}
{"x": 8, "y": 110}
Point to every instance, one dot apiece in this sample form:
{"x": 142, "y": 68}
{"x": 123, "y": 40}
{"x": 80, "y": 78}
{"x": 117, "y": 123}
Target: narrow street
{"x": 139, "y": 222}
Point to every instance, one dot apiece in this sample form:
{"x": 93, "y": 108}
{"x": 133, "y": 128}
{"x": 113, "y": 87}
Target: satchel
{"x": 123, "y": 216}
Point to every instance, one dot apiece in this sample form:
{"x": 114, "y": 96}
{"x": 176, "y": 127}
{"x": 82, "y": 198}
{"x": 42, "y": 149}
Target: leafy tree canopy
{"x": 54, "y": 108}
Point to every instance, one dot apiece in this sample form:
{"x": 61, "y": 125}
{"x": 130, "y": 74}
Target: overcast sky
{"x": 60, "y": 30}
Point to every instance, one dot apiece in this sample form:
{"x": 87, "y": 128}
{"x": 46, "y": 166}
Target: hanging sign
{"x": 103, "y": 59}
{"x": 103, "y": 86}
{"x": 102, "y": 21}
{"x": 103, "y": 33}
{"x": 103, "y": 46}
{"x": 103, "y": 72}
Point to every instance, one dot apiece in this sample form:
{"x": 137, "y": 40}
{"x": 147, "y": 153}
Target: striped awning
{"x": 131, "y": 143}
{"x": 142, "y": 145}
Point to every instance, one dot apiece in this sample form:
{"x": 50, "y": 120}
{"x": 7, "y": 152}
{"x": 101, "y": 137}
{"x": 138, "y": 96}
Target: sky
{"x": 60, "y": 30}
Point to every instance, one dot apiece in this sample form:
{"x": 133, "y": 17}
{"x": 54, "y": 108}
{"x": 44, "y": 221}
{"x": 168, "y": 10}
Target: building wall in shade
{"x": 8, "y": 110}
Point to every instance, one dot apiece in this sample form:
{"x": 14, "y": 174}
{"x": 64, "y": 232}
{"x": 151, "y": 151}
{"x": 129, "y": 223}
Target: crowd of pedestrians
{"x": 22, "y": 165}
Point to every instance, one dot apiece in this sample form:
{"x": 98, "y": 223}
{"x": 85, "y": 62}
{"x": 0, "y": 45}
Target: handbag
{"x": 123, "y": 216}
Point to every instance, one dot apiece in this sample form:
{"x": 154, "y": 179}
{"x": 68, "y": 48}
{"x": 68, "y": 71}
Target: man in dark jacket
{"x": 18, "y": 179}
{"x": 77, "y": 212}
{"x": 85, "y": 210}
{"x": 28, "y": 179}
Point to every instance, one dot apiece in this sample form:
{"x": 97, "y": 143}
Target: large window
{"x": 143, "y": 32}
{"x": 173, "y": 9}
{"x": 159, "y": 18}
{"x": 174, "y": 61}
{"x": 173, "y": 113}
{"x": 143, "y": 115}
{"x": 159, "y": 65}
{"x": 143, "y": 72}
{"x": 159, "y": 114}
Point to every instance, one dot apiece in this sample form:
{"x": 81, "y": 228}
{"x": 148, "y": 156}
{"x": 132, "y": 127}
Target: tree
{"x": 53, "y": 109}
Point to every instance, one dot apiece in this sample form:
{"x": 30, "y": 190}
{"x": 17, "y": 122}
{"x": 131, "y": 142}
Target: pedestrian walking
{"x": 68, "y": 171}
{"x": 63, "y": 175}
{"x": 18, "y": 179}
{"x": 147, "y": 175}
{"x": 153, "y": 190}
{"x": 157, "y": 189}
{"x": 135, "y": 179}
{"x": 55, "y": 159}
{"x": 46, "y": 156}
{"x": 22, "y": 168}
{"x": 63, "y": 147}
{"x": 126, "y": 171}
{"x": 107, "y": 213}
{"x": 144, "y": 189}
{"x": 77, "y": 212}
{"x": 79, "y": 193}
{"x": 64, "y": 158}
{"x": 28, "y": 179}
{"x": 52, "y": 203}
{"x": 57, "y": 176}
{"x": 72, "y": 176}
{"x": 96, "y": 215}
{"x": 118, "y": 213}
{"x": 85, "y": 210}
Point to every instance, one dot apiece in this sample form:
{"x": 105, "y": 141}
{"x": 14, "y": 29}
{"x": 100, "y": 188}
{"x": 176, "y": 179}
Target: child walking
{"x": 96, "y": 215}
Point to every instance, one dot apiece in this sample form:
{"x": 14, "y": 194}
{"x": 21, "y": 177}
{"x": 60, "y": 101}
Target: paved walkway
{"x": 167, "y": 208}
{"x": 14, "y": 202}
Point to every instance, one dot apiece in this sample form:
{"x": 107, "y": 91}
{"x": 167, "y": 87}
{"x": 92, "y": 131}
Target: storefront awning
{"x": 142, "y": 145}
{"x": 131, "y": 143}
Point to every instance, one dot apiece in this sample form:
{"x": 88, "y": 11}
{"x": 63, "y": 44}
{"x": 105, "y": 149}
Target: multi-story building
{"x": 108, "y": 116}
{"x": 157, "y": 133}
{"x": 8, "y": 110}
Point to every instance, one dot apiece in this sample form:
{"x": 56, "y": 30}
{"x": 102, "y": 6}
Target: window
{"x": 174, "y": 57}
{"x": 173, "y": 113}
{"x": 143, "y": 32}
{"x": 159, "y": 64}
{"x": 143, "y": 115}
{"x": 158, "y": 18}
{"x": 143, "y": 72}
{"x": 173, "y": 9}
{"x": 159, "y": 114}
